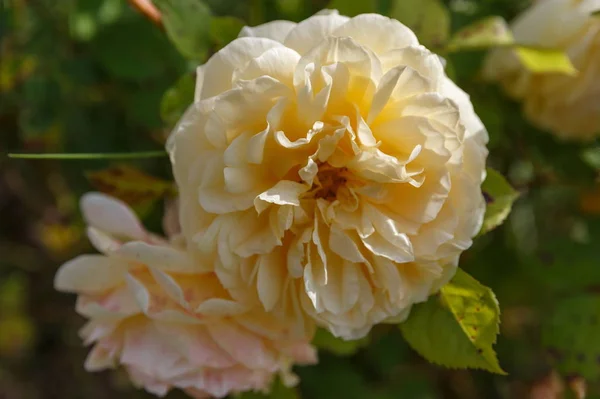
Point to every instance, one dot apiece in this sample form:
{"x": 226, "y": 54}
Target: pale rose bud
{"x": 331, "y": 169}
{"x": 566, "y": 105}
{"x": 166, "y": 320}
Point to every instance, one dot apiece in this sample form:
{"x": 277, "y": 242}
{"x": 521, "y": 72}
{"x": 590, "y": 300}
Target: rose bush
{"x": 566, "y": 105}
{"x": 169, "y": 323}
{"x": 329, "y": 171}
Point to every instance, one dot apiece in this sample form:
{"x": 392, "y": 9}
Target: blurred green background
{"x": 99, "y": 76}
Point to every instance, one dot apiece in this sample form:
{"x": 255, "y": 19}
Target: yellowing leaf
{"x": 325, "y": 340}
{"x": 429, "y": 19}
{"x": 488, "y": 32}
{"x": 499, "y": 196}
{"x": 539, "y": 60}
{"x": 131, "y": 185}
{"x": 458, "y": 327}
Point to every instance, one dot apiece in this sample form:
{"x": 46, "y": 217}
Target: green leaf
{"x": 87, "y": 16}
{"x": 352, "y": 8}
{"x": 591, "y": 156}
{"x": 82, "y": 26}
{"x": 499, "y": 196}
{"x": 224, "y": 29}
{"x": 429, "y": 19}
{"x": 458, "y": 327}
{"x": 187, "y": 23}
{"x": 176, "y": 100}
{"x": 133, "y": 49}
{"x": 278, "y": 391}
{"x": 289, "y": 7}
{"x": 325, "y": 340}
{"x": 570, "y": 334}
{"x": 483, "y": 34}
{"x": 110, "y": 11}
{"x": 538, "y": 60}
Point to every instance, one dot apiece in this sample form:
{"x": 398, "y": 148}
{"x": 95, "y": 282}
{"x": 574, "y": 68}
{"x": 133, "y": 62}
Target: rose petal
{"x": 90, "y": 274}
{"x": 275, "y": 30}
{"x": 111, "y": 216}
{"x": 312, "y": 31}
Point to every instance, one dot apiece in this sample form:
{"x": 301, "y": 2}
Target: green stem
{"x": 84, "y": 156}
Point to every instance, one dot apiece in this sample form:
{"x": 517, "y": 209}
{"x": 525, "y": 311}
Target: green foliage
{"x": 278, "y": 391}
{"x": 591, "y": 156}
{"x": 88, "y": 16}
{"x": 429, "y": 19}
{"x": 13, "y": 293}
{"x": 353, "y": 7}
{"x": 325, "y": 340}
{"x": 483, "y": 34}
{"x": 188, "y": 24}
{"x": 177, "y": 99}
{"x": 224, "y": 29}
{"x": 289, "y": 7}
{"x": 499, "y": 196}
{"x": 341, "y": 379}
{"x": 570, "y": 336}
{"x": 564, "y": 260}
{"x": 133, "y": 50}
{"x": 458, "y": 327}
{"x": 16, "y": 328}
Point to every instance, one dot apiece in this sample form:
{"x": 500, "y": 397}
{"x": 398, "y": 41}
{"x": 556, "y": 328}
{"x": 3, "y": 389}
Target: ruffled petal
{"x": 378, "y": 33}
{"x": 310, "y": 32}
{"x": 274, "y": 30}
{"x": 236, "y": 54}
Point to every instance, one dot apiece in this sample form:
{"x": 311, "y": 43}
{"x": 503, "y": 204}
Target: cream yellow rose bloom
{"x": 329, "y": 170}
{"x": 170, "y": 325}
{"x": 568, "y": 106}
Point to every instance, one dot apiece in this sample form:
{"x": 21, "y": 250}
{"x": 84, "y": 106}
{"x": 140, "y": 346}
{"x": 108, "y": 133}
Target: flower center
{"x": 328, "y": 181}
